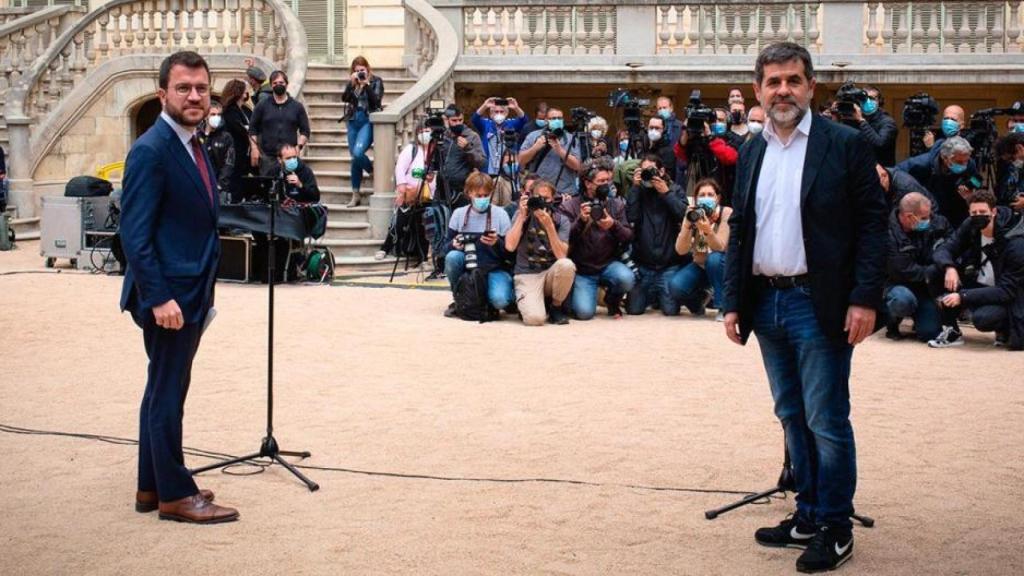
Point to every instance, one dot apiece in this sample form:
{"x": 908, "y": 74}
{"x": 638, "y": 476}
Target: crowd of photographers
{"x": 551, "y": 215}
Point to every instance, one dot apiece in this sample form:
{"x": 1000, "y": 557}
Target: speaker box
{"x": 235, "y": 259}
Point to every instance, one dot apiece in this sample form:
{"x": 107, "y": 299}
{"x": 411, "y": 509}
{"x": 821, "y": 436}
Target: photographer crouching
{"x": 705, "y": 236}
{"x": 544, "y": 275}
{"x": 600, "y": 234}
{"x": 655, "y": 208}
{"x": 476, "y": 235}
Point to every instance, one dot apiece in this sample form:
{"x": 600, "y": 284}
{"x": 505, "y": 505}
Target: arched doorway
{"x": 145, "y": 116}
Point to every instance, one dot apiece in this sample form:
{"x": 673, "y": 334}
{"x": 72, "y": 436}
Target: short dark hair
{"x": 881, "y": 97}
{"x": 185, "y": 58}
{"x": 780, "y": 53}
{"x": 983, "y": 196}
{"x": 664, "y": 125}
{"x": 708, "y": 182}
{"x": 452, "y": 110}
{"x": 278, "y": 74}
{"x": 652, "y": 158}
{"x": 1007, "y": 145}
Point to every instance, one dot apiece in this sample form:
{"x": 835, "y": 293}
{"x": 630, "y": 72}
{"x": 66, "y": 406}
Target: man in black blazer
{"x": 805, "y": 272}
{"x": 169, "y": 234}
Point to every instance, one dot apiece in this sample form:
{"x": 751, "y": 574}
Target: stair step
{"x": 364, "y": 247}
{"x": 342, "y": 213}
{"x": 346, "y": 230}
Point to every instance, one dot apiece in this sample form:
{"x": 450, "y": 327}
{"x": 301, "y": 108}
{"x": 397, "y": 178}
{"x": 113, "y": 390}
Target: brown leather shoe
{"x": 147, "y": 501}
{"x": 197, "y": 510}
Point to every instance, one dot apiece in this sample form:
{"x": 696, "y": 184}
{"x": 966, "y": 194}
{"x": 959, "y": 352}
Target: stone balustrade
{"x": 8, "y": 15}
{"x": 23, "y": 39}
{"x": 554, "y": 30}
{"x": 736, "y": 28}
{"x": 943, "y": 27}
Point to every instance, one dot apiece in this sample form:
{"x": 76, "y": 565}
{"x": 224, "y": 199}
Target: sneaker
{"x": 1002, "y": 339}
{"x": 380, "y": 255}
{"x": 829, "y": 549}
{"x": 558, "y": 316}
{"x": 450, "y": 311}
{"x": 793, "y": 532}
{"x": 949, "y": 336}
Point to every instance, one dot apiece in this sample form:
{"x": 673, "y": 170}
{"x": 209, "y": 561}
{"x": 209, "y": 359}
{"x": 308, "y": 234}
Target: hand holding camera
{"x": 489, "y": 238}
{"x": 293, "y": 179}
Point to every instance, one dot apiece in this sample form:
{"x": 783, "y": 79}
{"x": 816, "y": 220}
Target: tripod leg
{"x": 215, "y": 465}
{"x": 712, "y": 514}
{"x": 865, "y": 521}
{"x": 313, "y": 486}
{"x": 296, "y": 454}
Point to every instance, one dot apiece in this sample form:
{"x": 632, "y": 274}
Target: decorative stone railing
{"x": 8, "y": 15}
{"x": 432, "y": 48}
{"x": 555, "y": 30}
{"x": 731, "y": 28}
{"x": 943, "y": 27}
{"x": 24, "y": 39}
{"x": 130, "y": 37}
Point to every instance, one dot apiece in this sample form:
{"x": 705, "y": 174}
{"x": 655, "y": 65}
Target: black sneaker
{"x": 557, "y": 315}
{"x": 450, "y": 311}
{"x": 949, "y": 337}
{"x": 829, "y": 549}
{"x": 892, "y": 330}
{"x": 793, "y": 532}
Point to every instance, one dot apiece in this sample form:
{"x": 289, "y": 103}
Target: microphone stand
{"x": 268, "y": 447}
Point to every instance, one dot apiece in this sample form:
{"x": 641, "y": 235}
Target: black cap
{"x": 256, "y": 74}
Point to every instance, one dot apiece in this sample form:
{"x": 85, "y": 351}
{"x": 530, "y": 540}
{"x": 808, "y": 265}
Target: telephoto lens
{"x": 470, "y": 249}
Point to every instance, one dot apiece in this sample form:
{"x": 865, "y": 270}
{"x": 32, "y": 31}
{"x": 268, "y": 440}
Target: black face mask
{"x": 280, "y": 89}
{"x": 457, "y": 129}
{"x": 980, "y": 221}
{"x": 602, "y": 192}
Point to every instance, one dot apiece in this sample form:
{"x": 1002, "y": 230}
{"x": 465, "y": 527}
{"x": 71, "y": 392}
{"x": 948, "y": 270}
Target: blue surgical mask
{"x": 481, "y": 204}
{"x": 950, "y": 127}
{"x": 665, "y": 113}
{"x": 556, "y": 124}
{"x": 623, "y": 145}
{"x": 870, "y": 106}
{"x": 513, "y": 167}
{"x": 1018, "y": 127}
{"x": 541, "y": 123}
{"x": 718, "y": 128}
{"x": 957, "y": 168}
{"x": 291, "y": 164}
{"x": 922, "y": 225}
{"x": 707, "y": 203}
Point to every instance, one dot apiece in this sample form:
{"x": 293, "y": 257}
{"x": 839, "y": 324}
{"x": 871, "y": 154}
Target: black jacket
{"x": 236, "y": 122}
{"x": 911, "y": 254}
{"x": 1007, "y": 256}
{"x": 880, "y": 131}
{"x": 844, "y": 225}
{"x": 928, "y": 169}
{"x": 902, "y": 183}
{"x": 457, "y": 163}
{"x": 221, "y": 148}
{"x": 656, "y": 220}
{"x": 374, "y": 97}
{"x": 664, "y": 149}
{"x": 309, "y": 192}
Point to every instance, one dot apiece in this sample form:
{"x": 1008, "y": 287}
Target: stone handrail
{"x": 9, "y": 14}
{"x": 260, "y": 28}
{"x": 434, "y": 49}
{"x": 943, "y": 27}
{"x": 23, "y": 39}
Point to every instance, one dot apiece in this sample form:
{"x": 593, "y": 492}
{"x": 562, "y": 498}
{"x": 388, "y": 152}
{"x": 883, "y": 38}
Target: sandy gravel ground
{"x": 375, "y": 381}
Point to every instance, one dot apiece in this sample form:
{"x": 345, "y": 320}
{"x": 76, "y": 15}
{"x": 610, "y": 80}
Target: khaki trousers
{"x": 532, "y": 290}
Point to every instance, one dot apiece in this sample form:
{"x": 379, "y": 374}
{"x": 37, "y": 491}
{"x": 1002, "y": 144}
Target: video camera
{"x": 631, "y": 105}
{"x": 847, "y": 97}
{"x": 982, "y": 134}
{"x": 697, "y": 115}
{"x": 580, "y": 117}
{"x": 919, "y": 111}
{"x": 435, "y": 119}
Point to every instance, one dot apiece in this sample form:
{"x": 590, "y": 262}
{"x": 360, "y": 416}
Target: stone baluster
{"x": 693, "y": 35}
{"x": 888, "y": 31}
{"x": 129, "y": 32}
{"x": 115, "y": 37}
{"x": 707, "y": 42}
{"x": 565, "y": 35}
{"x": 872, "y": 34}
{"x": 1013, "y": 29}
{"x": 245, "y": 11}
{"x": 515, "y": 23}
{"x": 998, "y": 39}
{"x": 661, "y": 17}
{"x": 470, "y": 30}
{"x": 143, "y": 16}
{"x": 203, "y": 15}
{"x": 582, "y": 39}
{"x": 934, "y": 33}
{"x": 797, "y": 29}
{"x": 677, "y": 26}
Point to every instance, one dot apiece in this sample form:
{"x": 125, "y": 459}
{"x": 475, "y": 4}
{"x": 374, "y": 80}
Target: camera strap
{"x": 465, "y": 219}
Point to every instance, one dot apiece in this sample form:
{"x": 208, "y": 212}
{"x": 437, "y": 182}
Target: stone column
{"x": 19, "y": 163}
{"x": 636, "y": 30}
{"x": 842, "y": 30}
{"x": 383, "y": 198}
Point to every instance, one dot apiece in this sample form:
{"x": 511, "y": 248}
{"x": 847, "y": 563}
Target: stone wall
{"x": 376, "y": 30}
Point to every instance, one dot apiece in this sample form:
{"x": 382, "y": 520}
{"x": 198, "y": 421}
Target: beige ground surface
{"x": 375, "y": 380}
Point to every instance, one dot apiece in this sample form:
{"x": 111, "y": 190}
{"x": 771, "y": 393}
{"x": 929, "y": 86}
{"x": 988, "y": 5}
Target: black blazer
{"x": 844, "y": 225}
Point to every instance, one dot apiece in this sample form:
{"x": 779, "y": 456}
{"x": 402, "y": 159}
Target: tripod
{"x": 786, "y": 483}
{"x": 407, "y": 231}
{"x": 268, "y": 447}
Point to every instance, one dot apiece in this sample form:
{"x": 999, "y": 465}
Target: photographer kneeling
{"x": 655, "y": 209}
{"x": 599, "y": 234}
{"x": 476, "y": 234}
{"x": 705, "y": 235}
{"x": 981, "y": 268}
{"x": 543, "y": 272}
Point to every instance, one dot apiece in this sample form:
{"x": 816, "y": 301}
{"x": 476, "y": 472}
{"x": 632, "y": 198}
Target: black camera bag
{"x": 87, "y": 186}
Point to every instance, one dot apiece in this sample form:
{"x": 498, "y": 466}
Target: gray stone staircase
{"x": 348, "y": 229}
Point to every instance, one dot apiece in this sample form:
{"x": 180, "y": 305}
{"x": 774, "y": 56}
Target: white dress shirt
{"x": 184, "y": 134}
{"x": 779, "y": 244}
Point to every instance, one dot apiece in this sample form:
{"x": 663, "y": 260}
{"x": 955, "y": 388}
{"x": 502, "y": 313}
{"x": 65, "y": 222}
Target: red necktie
{"x": 197, "y": 151}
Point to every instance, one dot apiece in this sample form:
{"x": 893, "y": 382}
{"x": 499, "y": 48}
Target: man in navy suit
{"x": 805, "y": 272}
{"x": 169, "y": 233}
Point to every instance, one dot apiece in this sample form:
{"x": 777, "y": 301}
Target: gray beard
{"x": 787, "y": 120}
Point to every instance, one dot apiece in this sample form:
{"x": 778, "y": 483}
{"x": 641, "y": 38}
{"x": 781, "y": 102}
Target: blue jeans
{"x": 809, "y": 377}
{"x": 689, "y": 283}
{"x": 616, "y": 277}
{"x": 905, "y": 302}
{"x": 653, "y": 285}
{"x": 360, "y": 138}
{"x": 499, "y": 283}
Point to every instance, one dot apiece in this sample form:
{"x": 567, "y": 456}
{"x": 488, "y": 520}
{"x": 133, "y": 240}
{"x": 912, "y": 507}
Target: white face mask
{"x": 498, "y": 118}
{"x": 595, "y": 134}
{"x": 755, "y": 127}
{"x": 424, "y": 138}
{"x": 654, "y": 135}
{"x": 215, "y": 121}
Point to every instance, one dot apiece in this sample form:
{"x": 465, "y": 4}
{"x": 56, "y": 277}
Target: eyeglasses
{"x": 186, "y": 89}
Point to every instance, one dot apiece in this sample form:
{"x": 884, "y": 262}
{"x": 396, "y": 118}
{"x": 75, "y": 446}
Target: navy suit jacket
{"x": 845, "y": 227}
{"x": 168, "y": 227}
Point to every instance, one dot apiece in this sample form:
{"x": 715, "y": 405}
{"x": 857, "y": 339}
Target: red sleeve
{"x": 680, "y": 152}
{"x": 726, "y": 154}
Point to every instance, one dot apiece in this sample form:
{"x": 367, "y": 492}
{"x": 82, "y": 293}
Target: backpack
{"x": 471, "y": 301}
